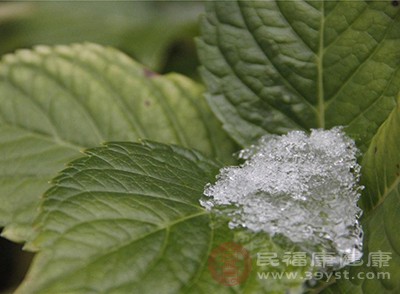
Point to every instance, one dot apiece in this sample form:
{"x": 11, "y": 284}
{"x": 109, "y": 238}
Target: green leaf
{"x": 57, "y": 101}
{"x": 274, "y": 66}
{"x": 381, "y": 203}
{"x": 126, "y": 219}
{"x": 143, "y": 29}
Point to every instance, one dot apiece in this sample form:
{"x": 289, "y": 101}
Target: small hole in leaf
{"x": 395, "y": 3}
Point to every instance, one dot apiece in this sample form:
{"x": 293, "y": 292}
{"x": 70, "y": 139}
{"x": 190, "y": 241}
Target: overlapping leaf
{"x": 273, "y": 66}
{"x": 57, "y": 101}
{"x": 126, "y": 219}
{"x": 381, "y": 202}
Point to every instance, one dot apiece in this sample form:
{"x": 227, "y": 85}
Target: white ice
{"x": 302, "y": 186}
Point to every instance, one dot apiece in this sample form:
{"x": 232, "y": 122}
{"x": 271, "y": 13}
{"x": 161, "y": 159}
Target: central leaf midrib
{"x": 120, "y": 246}
{"x": 45, "y": 137}
{"x": 119, "y": 99}
{"x": 320, "y": 57}
{"x": 71, "y": 94}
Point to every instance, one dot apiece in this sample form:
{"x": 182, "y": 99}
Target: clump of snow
{"x": 304, "y": 187}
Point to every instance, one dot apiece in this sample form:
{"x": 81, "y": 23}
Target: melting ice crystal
{"x": 301, "y": 186}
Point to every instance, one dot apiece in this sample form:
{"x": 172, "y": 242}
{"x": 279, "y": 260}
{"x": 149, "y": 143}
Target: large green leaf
{"x": 273, "y": 66}
{"x": 57, "y": 101}
{"x": 126, "y": 219}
